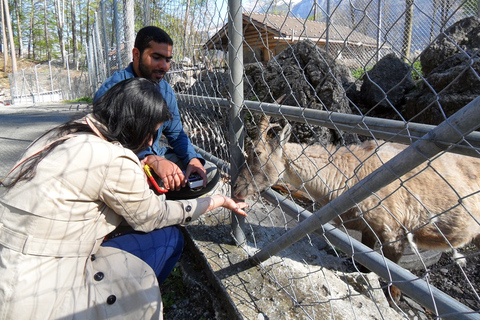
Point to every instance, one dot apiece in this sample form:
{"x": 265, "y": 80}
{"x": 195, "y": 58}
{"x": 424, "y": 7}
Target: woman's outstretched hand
{"x": 219, "y": 200}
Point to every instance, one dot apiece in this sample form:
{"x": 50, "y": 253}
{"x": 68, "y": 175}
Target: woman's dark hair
{"x": 131, "y": 110}
{"x": 151, "y": 33}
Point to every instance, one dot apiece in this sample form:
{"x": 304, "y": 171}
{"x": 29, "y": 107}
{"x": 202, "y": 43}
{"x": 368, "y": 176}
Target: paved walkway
{"x": 21, "y": 124}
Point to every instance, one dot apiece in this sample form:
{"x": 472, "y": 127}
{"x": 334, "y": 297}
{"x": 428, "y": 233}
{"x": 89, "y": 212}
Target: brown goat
{"x": 435, "y": 206}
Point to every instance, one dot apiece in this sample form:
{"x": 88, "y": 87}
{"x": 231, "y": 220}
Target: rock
{"x": 461, "y": 36}
{"x": 451, "y": 66}
{"x": 213, "y": 84}
{"x": 385, "y": 85}
{"x": 306, "y": 76}
{"x": 309, "y": 77}
{"x": 411, "y": 261}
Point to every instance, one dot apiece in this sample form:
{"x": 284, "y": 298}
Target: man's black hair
{"x": 151, "y": 33}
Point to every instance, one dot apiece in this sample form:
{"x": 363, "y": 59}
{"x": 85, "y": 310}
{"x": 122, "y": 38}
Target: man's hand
{"x": 196, "y": 166}
{"x": 170, "y": 174}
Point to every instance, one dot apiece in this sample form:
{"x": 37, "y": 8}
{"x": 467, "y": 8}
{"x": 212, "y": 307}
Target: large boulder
{"x": 463, "y": 36}
{"x": 385, "y": 85}
{"x": 451, "y": 66}
{"x": 306, "y": 76}
{"x": 212, "y": 84}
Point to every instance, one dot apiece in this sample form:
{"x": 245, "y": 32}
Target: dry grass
{"x": 22, "y": 63}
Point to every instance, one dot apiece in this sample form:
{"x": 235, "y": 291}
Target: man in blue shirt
{"x": 152, "y": 55}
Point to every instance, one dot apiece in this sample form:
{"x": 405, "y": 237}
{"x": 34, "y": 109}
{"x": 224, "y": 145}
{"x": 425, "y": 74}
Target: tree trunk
{"x": 59, "y": 17}
{"x": 87, "y": 36}
{"x": 4, "y": 38}
{"x": 185, "y": 28}
{"x": 74, "y": 33}
{"x": 45, "y": 30}
{"x": 30, "y": 33}
{"x": 432, "y": 24}
{"x": 445, "y": 6}
{"x": 18, "y": 7}
{"x": 10, "y": 35}
{"x": 147, "y": 19}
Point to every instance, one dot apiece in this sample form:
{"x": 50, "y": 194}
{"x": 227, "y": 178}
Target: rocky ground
{"x": 461, "y": 283}
{"x": 189, "y": 294}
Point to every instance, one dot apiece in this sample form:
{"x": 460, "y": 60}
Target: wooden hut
{"x": 266, "y": 35}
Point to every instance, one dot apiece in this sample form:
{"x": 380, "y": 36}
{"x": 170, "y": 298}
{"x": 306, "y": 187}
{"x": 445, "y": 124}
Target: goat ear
{"x": 285, "y": 134}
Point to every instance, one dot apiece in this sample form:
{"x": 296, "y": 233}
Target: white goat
{"x": 435, "y": 206}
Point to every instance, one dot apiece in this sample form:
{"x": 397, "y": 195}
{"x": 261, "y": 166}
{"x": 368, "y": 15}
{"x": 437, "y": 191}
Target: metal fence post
{"x": 235, "y": 57}
{"x": 68, "y": 76}
{"x": 379, "y": 30}
{"x": 38, "y": 86}
{"x": 105, "y": 41}
{"x": 117, "y": 34}
{"x": 24, "y": 83}
{"x": 50, "y": 72}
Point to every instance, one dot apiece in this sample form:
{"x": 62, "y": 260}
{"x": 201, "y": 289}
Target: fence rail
{"x": 339, "y": 73}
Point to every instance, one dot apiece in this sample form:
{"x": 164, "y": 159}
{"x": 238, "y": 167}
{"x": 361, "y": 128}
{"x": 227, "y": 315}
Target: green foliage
{"x": 417, "y": 70}
{"x": 172, "y": 288}
{"x": 83, "y": 99}
{"x": 315, "y": 17}
{"x": 360, "y": 72}
{"x": 470, "y": 7}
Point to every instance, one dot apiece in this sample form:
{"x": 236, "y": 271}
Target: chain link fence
{"x": 348, "y": 85}
{"x": 52, "y": 81}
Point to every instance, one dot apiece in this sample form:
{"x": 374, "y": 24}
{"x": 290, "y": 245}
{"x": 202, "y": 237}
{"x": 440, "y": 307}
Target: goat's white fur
{"x": 435, "y": 206}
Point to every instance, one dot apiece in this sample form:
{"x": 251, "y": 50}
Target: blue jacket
{"x": 173, "y": 130}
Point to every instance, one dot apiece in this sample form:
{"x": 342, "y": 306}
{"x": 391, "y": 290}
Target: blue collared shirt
{"x": 172, "y": 130}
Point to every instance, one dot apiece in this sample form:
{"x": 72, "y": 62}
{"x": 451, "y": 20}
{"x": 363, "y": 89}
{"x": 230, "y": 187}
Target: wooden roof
{"x": 290, "y": 29}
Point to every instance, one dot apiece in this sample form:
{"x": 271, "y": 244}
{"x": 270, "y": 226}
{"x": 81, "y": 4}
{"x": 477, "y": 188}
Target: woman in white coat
{"x": 71, "y": 189}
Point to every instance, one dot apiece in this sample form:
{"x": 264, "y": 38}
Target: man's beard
{"x": 145, "y": 72}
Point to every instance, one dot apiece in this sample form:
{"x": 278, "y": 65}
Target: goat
{"x": 435, "y": 206}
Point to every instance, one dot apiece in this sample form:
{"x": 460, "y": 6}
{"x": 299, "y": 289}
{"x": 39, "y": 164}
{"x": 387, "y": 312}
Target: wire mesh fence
{"x": 348, "y": 85}
{"x": 51, "y": 81}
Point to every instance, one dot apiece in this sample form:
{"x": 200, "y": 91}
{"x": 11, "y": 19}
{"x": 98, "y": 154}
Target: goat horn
{"x": 279, "y": 100}
{"x": 263, "y": 125}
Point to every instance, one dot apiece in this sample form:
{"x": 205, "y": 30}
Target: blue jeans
{"x": 160, "y": 249}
